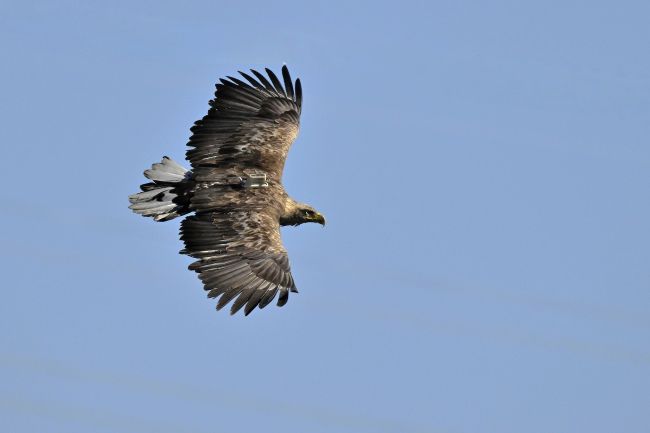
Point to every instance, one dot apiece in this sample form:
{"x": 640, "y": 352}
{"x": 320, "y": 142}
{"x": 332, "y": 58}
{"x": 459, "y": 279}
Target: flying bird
{"x": 234, "y": 191}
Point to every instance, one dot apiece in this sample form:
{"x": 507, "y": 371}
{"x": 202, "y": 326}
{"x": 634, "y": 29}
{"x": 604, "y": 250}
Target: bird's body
{"x": 235, "y": 191}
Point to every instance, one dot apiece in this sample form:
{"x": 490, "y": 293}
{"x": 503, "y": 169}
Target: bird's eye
{"x": 308, "y": 213}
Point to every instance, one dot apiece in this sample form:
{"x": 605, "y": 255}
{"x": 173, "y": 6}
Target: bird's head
{"x": 300, "y": 214}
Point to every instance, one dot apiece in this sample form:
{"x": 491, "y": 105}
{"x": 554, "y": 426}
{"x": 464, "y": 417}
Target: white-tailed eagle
{"x": 234, "y": 190}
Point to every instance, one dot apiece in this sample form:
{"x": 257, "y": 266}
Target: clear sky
{"x": 484, "y": 170}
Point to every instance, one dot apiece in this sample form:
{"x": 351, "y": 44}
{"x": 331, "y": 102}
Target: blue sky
{"x": 484, "y": 170}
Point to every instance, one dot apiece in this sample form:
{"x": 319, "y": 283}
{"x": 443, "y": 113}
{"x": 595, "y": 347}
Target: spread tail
{"x": 167, "y": 196}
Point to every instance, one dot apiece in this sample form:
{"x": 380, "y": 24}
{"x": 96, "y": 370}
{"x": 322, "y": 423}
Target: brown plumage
{"x": 237, "y": 152}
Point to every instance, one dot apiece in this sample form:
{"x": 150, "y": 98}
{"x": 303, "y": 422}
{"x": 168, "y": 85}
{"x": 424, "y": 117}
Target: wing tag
{"x": 249, "y": 180}
{"x": 255, "y": 180}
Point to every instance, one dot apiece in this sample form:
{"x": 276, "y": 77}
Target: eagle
{"x": 234, "y": 192}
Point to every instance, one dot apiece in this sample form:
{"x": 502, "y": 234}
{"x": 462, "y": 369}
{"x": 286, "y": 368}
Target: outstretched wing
{"x": 240, "y": 256}
{"x": 250, "y": 125}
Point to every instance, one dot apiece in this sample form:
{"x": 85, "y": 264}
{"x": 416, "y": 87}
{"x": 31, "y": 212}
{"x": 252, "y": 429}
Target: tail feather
{"x": 166, "y": 171}
{"x": 167, "y": 196}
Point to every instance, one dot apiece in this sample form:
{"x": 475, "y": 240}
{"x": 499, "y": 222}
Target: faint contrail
{"x": 603, "y": 313}
{"x": 98, "y": 419}
{"x": 204, "y": 396}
